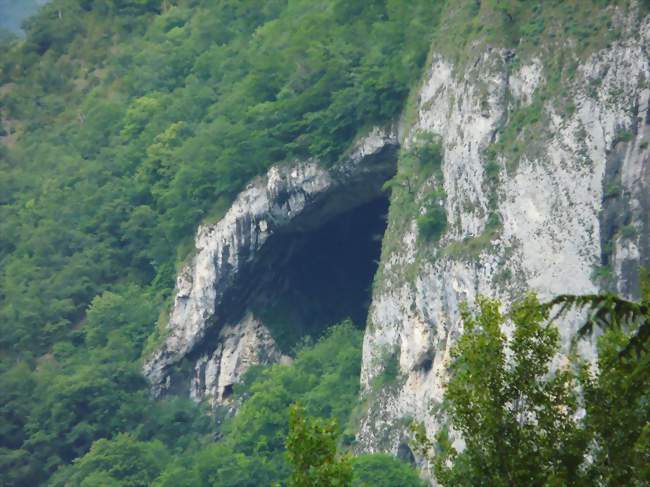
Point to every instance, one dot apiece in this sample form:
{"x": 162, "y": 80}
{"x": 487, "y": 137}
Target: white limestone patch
{"x": 525, "y": 80}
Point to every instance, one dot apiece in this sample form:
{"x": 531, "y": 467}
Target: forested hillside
{"x": 124, "y": 124}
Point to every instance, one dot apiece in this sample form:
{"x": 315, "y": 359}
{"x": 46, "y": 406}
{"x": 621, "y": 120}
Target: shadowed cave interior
{"x": 321, "y": 277}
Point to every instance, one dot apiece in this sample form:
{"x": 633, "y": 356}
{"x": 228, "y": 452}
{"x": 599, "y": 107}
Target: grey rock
{"x": 551, "y": 205}
{"x": 211, "y": 289}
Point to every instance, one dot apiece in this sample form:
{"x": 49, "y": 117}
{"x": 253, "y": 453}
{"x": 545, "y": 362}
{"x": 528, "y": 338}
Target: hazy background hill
{"x": 13, "y": 12}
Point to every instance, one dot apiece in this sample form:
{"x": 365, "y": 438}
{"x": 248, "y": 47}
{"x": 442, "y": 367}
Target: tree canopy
{"x": 518, "y": 417}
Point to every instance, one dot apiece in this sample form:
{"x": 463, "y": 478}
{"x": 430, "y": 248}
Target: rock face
{"x": 237, "y": 348}
{"x": 206, "y": 327}
{"x": 573, "y": 210}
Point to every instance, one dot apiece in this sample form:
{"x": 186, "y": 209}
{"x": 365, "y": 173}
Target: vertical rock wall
{"x": 572, "y": 212}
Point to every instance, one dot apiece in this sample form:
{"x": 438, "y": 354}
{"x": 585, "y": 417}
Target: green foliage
{"x": 616, "y": 396}
{"x": 390, "y": 369}
{"x": 472, "y": 247}
{"x": 517, "y": 415}
{"x": 513, "y": 138}
{"x": 603, "y": 275}
{"x": 526, "y": 26}
{"x": 311, "y": 450}
{"x": 433, "y": 223}
{"x": 616, "y": 393}
{"x": 613, "y": 190}
{"x": 216, "y": 464}
{"x": 381, "y": 470}
{"x": 517, "y": 419}
{"x": 169, "y": 443}
{"x": 165, "y": 112}
{"x": 121, "y": 320}
{"x": 131, "y": 121}
{"x": 424, "y": 157}
{"x": 89, "y": 387}
{"x": 623, "y": 136}
{"x": 644, "y": 284}
{"x": 419, "y": 162}
{"x": 323, "y": 378}
{"x": 617, "y": 413}
{"x": 121, "y": 461}
{"x": 609, "y": 311}
{"x": 428, "y": 152}
{"x": 629, "y": 232}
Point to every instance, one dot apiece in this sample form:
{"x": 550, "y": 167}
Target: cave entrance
{"x": 323, "y": 276}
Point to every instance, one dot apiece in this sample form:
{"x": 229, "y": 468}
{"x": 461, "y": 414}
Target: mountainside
{"x": 543, "y": 177}
{"x": 211, "y": 211}
{"x": 125, "y": 124}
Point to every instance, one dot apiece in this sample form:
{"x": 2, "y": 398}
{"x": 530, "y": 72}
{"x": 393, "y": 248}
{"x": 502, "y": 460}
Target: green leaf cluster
{"x": 522, "y": 419}
{"x": 251, "y": 447}
{"x": 311, "y": 450}
{"x": 383, "y": 470}
{"x": 129, "y": 122}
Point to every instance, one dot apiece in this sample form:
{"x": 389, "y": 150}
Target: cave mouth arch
{"x": 319, "y": 277}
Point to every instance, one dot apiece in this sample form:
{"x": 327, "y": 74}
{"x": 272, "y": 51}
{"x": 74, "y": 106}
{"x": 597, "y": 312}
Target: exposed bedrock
{"x": 212, "y": 335}
{"x": 572, "y": 206}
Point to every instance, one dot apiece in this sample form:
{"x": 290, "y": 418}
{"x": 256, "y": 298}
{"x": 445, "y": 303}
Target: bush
{"x": 432, "y": 224}
{"x": 390, "y": 369}
{"x": 121, "y": 461}
{"x": 622, "y": 136}
{"x": 516, "y": 416}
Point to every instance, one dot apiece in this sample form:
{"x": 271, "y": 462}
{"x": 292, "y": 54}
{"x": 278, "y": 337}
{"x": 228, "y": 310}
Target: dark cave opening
{"x": 323, "y": 276}
{"x": 227, "y": 391}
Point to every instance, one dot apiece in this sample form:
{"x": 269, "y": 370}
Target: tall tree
{"x": 517, "y": 419}
{"x": 311, "y": 449}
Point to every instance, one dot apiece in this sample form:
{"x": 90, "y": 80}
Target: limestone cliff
{"x": 567, "y": 211}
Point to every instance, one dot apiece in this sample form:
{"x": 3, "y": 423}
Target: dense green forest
{"x": 124, "y": 124}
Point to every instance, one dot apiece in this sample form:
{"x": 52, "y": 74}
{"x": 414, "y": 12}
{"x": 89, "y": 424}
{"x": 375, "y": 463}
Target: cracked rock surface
{"x": 211, "y": 290}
